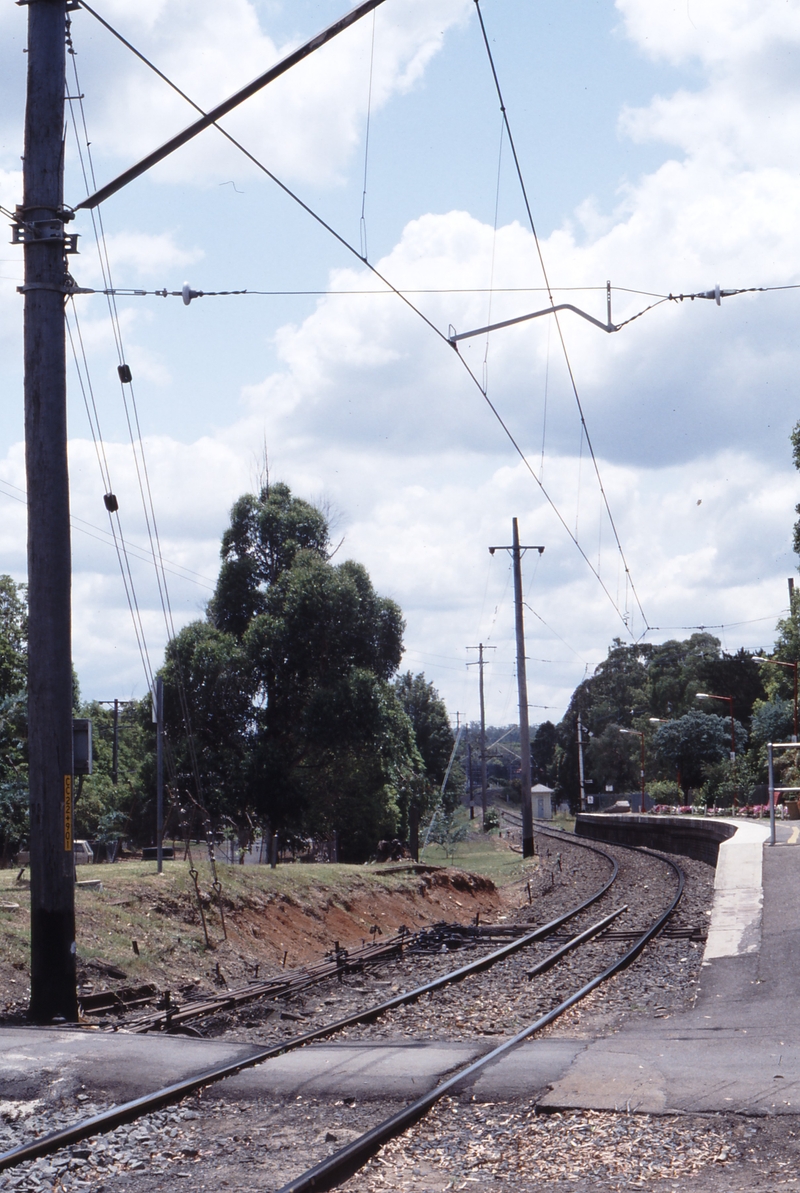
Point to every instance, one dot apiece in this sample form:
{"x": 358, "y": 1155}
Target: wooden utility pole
{"x": 115, "y": 739}
{"x": 484, "y": 781}
{"x": 40, "y": 228}
{"x": 158, "y": 717}
{"x": 522, "y": 686}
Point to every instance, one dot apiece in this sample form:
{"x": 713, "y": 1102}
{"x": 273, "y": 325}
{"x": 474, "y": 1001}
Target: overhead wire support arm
{"x": 454, "y": 336}
{"x": 609, "y": 326}
{"x": 233, "y": 101}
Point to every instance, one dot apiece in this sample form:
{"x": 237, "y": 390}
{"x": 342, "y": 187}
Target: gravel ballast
{"x": 209, "y": 1142}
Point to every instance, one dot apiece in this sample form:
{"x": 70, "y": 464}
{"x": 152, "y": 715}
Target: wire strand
{"x": 363, "y": 224}
{"x": 140, "y": 464}
{"x": 545, "y": 275}
{"x": 323, "y": 223}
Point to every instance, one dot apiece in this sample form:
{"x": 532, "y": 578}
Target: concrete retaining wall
{"x": 692, "y": 836}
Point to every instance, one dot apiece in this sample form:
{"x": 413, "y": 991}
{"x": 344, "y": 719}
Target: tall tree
{"x": 795, "y": 439}
{"x": 288, "y": 685}
{"x": 543, "y": 754}
{"x": 13, "y": 637}
{"x": 206, "y": 675}
{"x": 262, "y": 542}
{"x": 434, "y": 739}
{"x": 13, "y": 718}
{"x": 428, "y": 714}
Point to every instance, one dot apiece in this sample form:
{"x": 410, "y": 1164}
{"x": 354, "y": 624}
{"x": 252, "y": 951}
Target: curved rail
{"x": 342, "y": 1164}
{"x": 115, "y": 1116}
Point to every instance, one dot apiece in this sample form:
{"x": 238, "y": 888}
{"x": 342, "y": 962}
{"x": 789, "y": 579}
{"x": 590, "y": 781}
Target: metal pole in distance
{"x": 160, "y": 773}
{"x": 581, "y": 778}
{"x": 733, "y": 755}
{"x": 115, "y": 755}
{"x": 771, "y": 794}
{"x": 41, "y": 228}
{"x": 484, "y": 780}
{"x": 522, "y": 686}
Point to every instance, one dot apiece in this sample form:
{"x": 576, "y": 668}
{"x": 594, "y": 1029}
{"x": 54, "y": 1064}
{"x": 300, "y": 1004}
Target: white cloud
{"x": 305, "y": 125}
{"x": 689, "y": 408}
{"x": 746, "y": 113}
{"x": 140, "y": 254}
{"x": 716, "y": 32}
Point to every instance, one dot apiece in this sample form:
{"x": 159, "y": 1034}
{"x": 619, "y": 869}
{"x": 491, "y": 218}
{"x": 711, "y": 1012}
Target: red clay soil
{"x": 306, "y": 932}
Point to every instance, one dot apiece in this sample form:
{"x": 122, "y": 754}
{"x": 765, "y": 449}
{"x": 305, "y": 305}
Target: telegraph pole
{"x": 484, "y": 782}
{"x": 581, "y": 778}
{"x": 115, "y": 747}
{"x": 39, "y": 227}
{"x": 158, "y": 717}
{"x": 517, "y": 552}
{"x": 115, "y": 739}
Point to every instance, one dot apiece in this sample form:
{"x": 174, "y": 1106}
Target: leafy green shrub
{"x": 491, "y": 820}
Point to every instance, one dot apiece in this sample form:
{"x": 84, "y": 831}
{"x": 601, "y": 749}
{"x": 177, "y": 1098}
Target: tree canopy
{"x": 294, "y": 721}
{"x": 640, "y": 685}
{"x": 13, "y": 718}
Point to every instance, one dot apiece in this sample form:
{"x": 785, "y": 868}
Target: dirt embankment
{"x": 147, "y": 928}
{"x": 307, "y": 927}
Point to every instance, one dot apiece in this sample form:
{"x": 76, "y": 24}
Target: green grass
{"x": 483, "y": 853}
{"x": 159, "y": 911}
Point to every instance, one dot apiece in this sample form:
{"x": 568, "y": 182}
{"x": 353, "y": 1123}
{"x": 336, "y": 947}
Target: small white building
{"x": 542, "y": 802}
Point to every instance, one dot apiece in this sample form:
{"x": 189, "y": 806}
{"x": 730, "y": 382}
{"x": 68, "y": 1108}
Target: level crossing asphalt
{"x": 734, "y": 1051}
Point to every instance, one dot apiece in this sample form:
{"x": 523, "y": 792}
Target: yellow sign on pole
{"x": 68, "y": 813}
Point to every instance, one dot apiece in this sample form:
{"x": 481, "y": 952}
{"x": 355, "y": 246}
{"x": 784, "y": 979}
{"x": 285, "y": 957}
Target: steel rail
{"x": 342, "y": 1164}
{"x": 574, "y": 942}
{"x": 301, "y": 979}
{"x": 125, "y": 1112}
{"x": 322, "y": 971}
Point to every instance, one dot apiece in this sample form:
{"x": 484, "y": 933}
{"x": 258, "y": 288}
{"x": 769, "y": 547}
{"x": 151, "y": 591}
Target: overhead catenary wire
{"x": 84, "y": 382}
{"x": 363, "y": 223}
{"x": 103, "y": 536}
{"x": 545, "y": 275}
{"x": 87, "y": 389}
{"x": 402, "y": 294}
{"x": 494, "y": 253}
{"x": 393, "y": 291}
{"x": 350, "y": 248}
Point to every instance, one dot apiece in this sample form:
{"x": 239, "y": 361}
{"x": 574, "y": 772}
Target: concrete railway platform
{"x": 735, "y": 1051}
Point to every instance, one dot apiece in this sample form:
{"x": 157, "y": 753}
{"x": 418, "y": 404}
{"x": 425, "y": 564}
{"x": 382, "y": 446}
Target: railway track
{"x": 335, "y": 1169}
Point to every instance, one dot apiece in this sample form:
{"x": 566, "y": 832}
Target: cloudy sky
{"x": 658, "y": 144}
